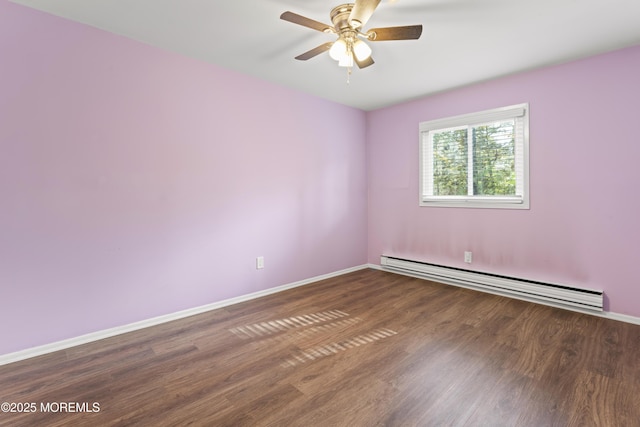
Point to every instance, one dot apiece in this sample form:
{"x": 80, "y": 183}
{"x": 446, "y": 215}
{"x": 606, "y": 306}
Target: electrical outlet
{"x": 468, "y": 257}
{"x": 260, "y": 262}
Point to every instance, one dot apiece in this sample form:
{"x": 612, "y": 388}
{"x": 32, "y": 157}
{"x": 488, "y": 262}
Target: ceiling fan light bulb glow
{"x": 361, "y": 50}
{"x": 346, "y": 61}
{"x": 339, "y": 50}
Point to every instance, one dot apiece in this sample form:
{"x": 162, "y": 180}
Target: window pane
{"x": 494, "y": 172}
{"x": 450, "y": 162}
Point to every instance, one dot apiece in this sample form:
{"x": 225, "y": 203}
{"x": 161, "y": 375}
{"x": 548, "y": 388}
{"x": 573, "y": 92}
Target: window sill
{"x": 482, "y": 203}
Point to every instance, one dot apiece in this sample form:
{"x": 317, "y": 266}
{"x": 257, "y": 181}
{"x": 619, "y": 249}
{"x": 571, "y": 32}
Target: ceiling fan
{"x": 348, "y": 22}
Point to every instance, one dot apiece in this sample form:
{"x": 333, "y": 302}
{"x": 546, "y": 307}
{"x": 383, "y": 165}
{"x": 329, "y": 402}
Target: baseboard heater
{"x": 529, "y": 290}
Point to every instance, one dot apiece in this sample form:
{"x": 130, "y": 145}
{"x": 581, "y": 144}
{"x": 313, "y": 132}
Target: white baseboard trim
{"x": 620, "y": 317}
{"x": 118, "y": 330}
{"x": 606, "y": 314}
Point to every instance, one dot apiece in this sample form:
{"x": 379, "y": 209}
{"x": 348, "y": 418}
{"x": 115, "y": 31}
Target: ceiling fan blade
{"x": 315, "y": 51}
{"x": 409, "y": 32}
{"x": 362, "y": 11}
{"x": 306, "y": 22}
{"x": 364, "y": 63}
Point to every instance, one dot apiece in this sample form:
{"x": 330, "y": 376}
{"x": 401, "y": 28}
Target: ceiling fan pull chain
{"x": 348, "y": 75}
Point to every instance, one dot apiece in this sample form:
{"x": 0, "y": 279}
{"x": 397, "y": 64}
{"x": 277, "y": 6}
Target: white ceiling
{"x": 463, "y": 41}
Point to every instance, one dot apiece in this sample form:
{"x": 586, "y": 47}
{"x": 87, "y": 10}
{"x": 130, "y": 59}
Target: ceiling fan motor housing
{"x": 340, "y": 17}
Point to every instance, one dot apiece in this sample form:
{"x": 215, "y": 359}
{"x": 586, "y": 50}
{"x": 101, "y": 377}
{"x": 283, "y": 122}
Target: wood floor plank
{"x": 369, "y": 348}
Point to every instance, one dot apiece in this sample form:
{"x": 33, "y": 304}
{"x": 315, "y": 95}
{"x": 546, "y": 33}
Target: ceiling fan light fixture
{"x": 339, "y": 50}
{"x": 361, "y": 50}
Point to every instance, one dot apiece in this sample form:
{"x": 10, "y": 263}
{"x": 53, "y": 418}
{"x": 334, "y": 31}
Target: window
{"x": 478, "y": 160}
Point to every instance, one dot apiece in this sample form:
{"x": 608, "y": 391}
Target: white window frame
{"x": 521, "y": 201}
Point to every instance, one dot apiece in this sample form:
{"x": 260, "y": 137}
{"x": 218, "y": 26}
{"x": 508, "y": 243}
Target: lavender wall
{"x": 135, "y": 182}
{"x": 582, "y": 228}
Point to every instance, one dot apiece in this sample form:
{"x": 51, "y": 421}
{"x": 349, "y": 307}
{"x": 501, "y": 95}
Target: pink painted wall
{"x": 582, "y": 228}
{"x": 135, "y": 182}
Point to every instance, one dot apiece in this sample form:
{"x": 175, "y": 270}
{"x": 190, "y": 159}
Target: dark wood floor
{"x": 365, "y": 349}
